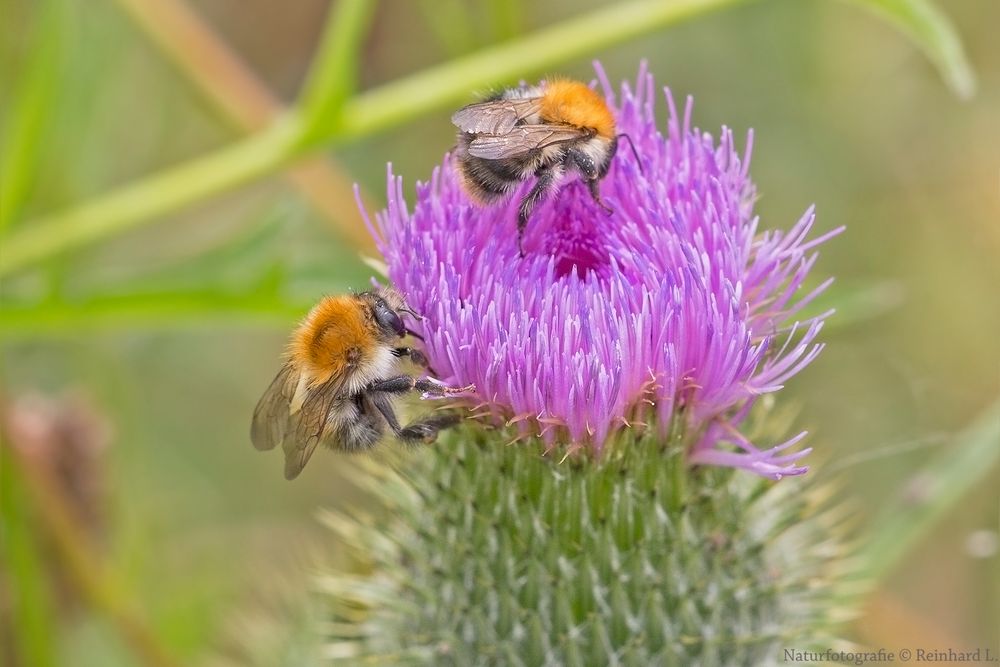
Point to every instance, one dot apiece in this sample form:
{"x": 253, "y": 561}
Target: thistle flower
{"x": 654, "y": 330}
{"x": 668, "y": 312}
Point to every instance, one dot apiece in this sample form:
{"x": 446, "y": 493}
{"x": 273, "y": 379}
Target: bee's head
{"x": 385, "y": 306}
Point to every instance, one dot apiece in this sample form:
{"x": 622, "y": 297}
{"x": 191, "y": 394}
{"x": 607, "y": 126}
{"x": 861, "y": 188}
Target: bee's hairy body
{"x": 340, "y": 337}
{"x": 537, "y": 131}
{"x": 338, "y": 384}
{"x": 337, "y": 340}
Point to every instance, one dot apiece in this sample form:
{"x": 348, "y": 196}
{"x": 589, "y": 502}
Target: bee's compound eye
{"x": 388, "y": 319}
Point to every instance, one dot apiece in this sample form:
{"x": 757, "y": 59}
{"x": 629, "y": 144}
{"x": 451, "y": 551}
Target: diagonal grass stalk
{"x": 217, "y": 72}
{"x": 329, "y": 116}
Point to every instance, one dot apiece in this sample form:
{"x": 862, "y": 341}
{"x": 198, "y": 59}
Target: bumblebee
{"x": 340, "y": 379}
{"x": 542, "y": 131}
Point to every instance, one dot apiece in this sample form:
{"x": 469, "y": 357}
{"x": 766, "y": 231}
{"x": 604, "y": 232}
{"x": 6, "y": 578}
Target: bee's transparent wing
{"x": 308, "y": 427}
{"x": 495, "y": 116}
{"x": 522, "y": 139}
{"x": 270, "y": 417}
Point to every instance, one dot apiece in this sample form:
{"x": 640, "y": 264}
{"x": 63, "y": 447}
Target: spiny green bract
{"x": 498, "y": 555}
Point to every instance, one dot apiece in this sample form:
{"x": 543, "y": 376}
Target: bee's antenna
{"x": 406, "y": 309}
{"x": 634, "y": 151}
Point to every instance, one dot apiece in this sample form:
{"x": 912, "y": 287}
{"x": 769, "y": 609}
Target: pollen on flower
{"x": 678, "y": 305}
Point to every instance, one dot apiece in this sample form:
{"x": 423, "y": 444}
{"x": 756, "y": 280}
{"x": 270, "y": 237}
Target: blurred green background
{"x": 165, "y": 336}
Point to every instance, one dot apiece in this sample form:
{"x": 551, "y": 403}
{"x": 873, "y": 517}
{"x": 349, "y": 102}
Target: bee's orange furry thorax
{"x": 334, "y": 335}
{"x": 574, "y": 103}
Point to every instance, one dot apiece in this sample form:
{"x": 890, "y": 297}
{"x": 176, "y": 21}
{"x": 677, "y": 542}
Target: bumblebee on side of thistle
{"x": 340, "y": 380}
{"x": 542, "y": 131}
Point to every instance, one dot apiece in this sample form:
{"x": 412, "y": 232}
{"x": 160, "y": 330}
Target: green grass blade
{"x": 162, "y": 193}
{"x": 333, "y": 76}
{"x": 151, "y": 310}
{"x": 934, "y": 33}
{"x": 937, "y": 490}
{"x": 33, "y": 100}
{"x": 23, "y": 574}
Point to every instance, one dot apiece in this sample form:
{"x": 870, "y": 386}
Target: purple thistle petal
{"x": 675, "y": 300}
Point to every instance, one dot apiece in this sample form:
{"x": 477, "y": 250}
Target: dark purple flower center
{"x": 573, "y": 230}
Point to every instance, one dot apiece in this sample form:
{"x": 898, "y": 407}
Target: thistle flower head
{"x": 676, "y": 306}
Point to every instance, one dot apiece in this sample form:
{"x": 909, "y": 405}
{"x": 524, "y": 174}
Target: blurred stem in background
{"x": 29, "y": 485}
{"x": 926, "y": 25}
{"x": 330, "y": 114}
{"x": 933, "y": 492}
{"x": 28, "y": 619}
{"x": 218, "y": 73}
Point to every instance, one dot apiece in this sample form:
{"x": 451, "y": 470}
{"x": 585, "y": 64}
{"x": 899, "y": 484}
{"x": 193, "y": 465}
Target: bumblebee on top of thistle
{"x": 539, "y": 131}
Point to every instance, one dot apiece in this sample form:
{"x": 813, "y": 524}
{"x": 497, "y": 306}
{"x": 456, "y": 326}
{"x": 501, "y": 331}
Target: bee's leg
{"x": 416, "y": 356}
{"x": 422, "y": 431}
{"x": 365, "y": 432}
{"x": 404, "y": 383}
{"x": 591, "y": 174}
{"x": 546, "y": 180}
{"x": 592, "y": 185}
{"x": 583, "y": 162}
{"x": 425, "y": 431}
{"x": 384, "y": 405}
